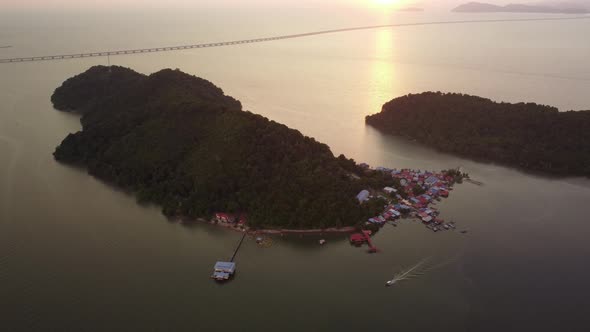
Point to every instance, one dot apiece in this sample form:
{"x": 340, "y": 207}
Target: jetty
{"x": 478, "y": 183}
{"x": 238, "y": 247}
{"x": 364, "y": 237}
{"x": 225, "y": 270}
{"x": 372, "y": 248}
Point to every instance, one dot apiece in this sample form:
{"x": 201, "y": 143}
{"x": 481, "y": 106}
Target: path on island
{"x": 267, "y": 39}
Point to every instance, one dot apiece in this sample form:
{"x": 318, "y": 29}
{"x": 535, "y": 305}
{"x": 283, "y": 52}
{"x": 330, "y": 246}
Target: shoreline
{"x": 281, "y": 231}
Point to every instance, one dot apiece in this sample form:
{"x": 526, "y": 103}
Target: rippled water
{"x": 77, "y": 254}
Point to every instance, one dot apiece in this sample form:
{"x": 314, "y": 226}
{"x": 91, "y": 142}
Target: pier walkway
{"x": 367, "y": 235}
{"x": 238, "y": 247}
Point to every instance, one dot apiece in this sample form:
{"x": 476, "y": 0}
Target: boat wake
{"x": 419, "y": 269}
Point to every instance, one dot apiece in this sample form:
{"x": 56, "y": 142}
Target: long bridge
{"x": 267, "y": 39}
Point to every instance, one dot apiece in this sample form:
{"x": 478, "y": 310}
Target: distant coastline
{"x": 7, "y": 46}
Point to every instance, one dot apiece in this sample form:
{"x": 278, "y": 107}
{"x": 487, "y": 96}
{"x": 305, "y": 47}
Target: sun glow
{"x": 386, "y": 3}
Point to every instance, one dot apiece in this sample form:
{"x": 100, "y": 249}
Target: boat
{"x": 446, "y": 226}
{"x": 435, "y": 229}
{"x": 463, "y": 232}
{"x": 322, "y": 242}
{"x": 389, "y": 283}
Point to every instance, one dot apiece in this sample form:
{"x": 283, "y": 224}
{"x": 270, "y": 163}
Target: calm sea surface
{"x": 77, "y": 254}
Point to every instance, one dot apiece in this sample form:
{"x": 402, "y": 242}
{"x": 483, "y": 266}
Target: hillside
{"x": 529, "y": 136}
{"x": 178, "y": 141}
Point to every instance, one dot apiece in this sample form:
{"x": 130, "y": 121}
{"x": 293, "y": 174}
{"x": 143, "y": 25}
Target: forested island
{"x": 557, "y": 8}
{"x": 178, "y": 141}
{"x": 526, "y": 135}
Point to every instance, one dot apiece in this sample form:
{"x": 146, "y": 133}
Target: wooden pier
{"x": 372, "y": 248}
{"x": 365, "y": 236}
{"x": 238, "y": 247}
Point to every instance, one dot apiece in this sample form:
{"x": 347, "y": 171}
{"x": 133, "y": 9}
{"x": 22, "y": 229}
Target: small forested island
{"x": 557, "y": 8}
{"x": 526, "y": 135}
{"x": 178, "y": 141}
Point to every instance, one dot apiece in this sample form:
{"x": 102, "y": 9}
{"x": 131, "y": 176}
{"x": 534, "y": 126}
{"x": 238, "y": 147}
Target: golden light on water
{"x": 383, "y": 78}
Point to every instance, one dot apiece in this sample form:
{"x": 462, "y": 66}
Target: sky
{"x": 126, "y": 4}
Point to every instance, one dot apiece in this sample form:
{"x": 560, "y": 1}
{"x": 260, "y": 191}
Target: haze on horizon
{"x": 151, "y": 4}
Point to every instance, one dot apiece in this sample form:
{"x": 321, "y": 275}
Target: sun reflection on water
{"x": 383, "y": 80}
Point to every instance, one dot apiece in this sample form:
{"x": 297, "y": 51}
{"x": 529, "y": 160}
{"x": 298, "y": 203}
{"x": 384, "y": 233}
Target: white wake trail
{"x": 419, "y": 269}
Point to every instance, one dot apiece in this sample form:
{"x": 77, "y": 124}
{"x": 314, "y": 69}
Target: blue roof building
{"x": 223, "y": 270}
{"x": 363, "y": 196}
{"x": 431, "y": 180}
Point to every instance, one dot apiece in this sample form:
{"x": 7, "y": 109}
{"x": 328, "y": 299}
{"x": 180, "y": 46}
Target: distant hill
{"x": 479, "y": 7}
{"x": 177, "y": 140}
{"x": 529, "y": 136}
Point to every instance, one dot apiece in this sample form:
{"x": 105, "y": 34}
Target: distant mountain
{"x": 562, "y": 8}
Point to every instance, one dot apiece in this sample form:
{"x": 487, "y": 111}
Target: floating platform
{"x": 223, "y": 271}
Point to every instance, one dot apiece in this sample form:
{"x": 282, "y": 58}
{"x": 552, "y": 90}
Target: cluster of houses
{"x": 229, "y": 218}
{"x": 433, "y": 185}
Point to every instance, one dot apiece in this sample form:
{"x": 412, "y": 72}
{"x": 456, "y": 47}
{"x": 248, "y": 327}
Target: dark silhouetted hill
{"x": 525, "y": 135}
{"x": 179, "y": 141}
